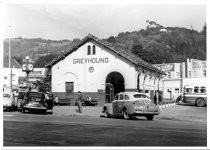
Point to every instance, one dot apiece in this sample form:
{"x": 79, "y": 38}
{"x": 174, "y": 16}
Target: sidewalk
{"x": 167, "y": 112}
{"x": 88, "y": 110}
{"x": 72, "y": 111}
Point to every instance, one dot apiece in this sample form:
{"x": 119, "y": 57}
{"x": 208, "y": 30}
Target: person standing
{"x": 155, "y": 98}
{"x": 160, "y": 97}
{"x": 79, "y": 102}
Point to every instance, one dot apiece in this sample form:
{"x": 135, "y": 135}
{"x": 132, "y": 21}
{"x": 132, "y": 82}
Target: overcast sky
{"x": 68, "y": 21}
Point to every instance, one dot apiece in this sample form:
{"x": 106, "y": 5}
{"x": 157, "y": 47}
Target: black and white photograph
{"x": 104, "y": 74}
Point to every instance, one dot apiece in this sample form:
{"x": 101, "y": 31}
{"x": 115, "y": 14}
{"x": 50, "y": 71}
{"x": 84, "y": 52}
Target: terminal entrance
{"x": 115, "y": 83}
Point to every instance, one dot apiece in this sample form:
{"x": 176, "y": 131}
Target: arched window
{"x": 89, "y": 50}
{"x": 94, "y": 49}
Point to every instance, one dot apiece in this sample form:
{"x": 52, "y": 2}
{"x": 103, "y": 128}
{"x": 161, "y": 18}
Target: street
{"x": 179, "y": 125}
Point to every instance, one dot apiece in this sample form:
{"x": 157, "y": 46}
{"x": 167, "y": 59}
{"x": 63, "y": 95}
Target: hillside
{"x": 158, "y": 44}
{"x": 35, "y": 48}
{"x": 155, "y": 44}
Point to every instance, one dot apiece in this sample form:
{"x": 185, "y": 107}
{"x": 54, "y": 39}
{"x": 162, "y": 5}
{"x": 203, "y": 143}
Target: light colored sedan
{"x": 9, "y": 101}
{"x": 128, "y": 104}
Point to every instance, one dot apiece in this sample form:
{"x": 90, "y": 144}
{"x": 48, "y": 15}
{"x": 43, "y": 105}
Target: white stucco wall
{"x": 85, "y": 81}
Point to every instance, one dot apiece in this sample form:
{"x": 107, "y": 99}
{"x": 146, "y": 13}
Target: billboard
{"x": 165, "y": 67}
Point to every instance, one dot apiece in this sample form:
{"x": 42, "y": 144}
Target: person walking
{"x": 79, "y": 102}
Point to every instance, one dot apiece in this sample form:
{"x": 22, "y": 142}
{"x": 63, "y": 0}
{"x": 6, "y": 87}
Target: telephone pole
{"x": 10, "y": 64}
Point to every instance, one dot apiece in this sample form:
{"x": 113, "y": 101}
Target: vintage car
{"x": 37, "y": 102}
{"x": 89, "y": 102}
{"x": 128, "y": 104}
{"x": 9, "y": 101}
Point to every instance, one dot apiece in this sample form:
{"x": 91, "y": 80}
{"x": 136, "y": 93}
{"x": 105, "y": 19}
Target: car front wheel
{"x": 125, "y": 114}
{"x": 200, "y": 102}
{"x": 106, "y": 114}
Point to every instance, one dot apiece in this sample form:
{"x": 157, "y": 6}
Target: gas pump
{"x": 109, "y": 96}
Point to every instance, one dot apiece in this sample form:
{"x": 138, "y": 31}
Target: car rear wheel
{"x": 150, "y": 117}
{"x": 200, "y": 102}
{"x": 125, "y": 114}
{"x": 106, "y": 114}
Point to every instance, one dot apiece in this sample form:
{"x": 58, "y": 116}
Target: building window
{"x": 89, "y": 50}
{"x": 203, "y": 89}
{"x": 196, "y": 89}
{"x": 94, "y": 49}
{"x": 204, "y": 73}
{"x": 177, "y": 90}
{"x": 5, "y": 77}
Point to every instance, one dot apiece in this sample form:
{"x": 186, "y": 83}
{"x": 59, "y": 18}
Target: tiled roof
{"x": 121, "y": 52}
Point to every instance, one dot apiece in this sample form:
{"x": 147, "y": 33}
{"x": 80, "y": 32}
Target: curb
{"x": 166, "y": 105}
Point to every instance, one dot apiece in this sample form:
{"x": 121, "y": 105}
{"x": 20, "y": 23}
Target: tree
{"x": 44, "y": 60}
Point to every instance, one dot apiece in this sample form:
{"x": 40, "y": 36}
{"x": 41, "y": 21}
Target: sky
{"x": 68, "y": 21}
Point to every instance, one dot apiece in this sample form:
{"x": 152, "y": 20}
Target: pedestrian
{"x": 160, "y": 97}
{"x": 155, "y": 98}
{"x": 79, "y": 102}
{"x": 56, "y": 101}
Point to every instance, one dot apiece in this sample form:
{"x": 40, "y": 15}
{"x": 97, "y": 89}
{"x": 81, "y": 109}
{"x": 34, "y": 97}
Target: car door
{"x": 115, "y": 104}
{"x": 119, "y": 104}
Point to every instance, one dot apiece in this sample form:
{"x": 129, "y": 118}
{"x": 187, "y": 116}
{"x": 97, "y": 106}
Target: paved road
{"x": 69, "y": 130}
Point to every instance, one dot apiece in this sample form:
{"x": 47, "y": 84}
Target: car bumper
{"x": 139, "y": 113}
{"x": 34, "y": 108}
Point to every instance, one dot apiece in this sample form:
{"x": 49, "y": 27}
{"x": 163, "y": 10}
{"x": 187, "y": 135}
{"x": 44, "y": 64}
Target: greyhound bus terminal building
{"x": 100, "y": 70}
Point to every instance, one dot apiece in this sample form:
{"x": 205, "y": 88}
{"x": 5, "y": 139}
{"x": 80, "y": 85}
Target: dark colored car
{"x": 37, "y": 102}
{"x": 89, "y": 102}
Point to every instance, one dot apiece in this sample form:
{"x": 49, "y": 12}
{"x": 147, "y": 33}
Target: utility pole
{"x": 10, "y": 65}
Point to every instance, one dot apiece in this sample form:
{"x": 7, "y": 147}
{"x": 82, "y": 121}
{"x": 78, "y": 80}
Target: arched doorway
{"x": 115, "y": 83}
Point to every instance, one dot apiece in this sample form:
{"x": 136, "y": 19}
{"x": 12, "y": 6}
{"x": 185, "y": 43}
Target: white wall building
{"x": 100, "y": 70}
{"x": 192, "y": 72}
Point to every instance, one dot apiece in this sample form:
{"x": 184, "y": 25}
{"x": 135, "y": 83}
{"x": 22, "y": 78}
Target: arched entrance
{"x": 115, "y": 83}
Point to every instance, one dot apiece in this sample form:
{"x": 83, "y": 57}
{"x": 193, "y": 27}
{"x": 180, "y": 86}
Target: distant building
{"x": 18, "y": 75}
{"x": 192, "y": 72}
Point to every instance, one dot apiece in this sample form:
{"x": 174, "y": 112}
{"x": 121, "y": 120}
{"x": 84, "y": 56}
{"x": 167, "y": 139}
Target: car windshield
{"x": 140, "y": 96}
{"x": 36, "y": 96}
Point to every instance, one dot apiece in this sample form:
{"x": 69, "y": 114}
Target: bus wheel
{"x": 200, "y": 102}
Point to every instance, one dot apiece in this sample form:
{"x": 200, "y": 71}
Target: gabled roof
{"x": 138, "y": 62}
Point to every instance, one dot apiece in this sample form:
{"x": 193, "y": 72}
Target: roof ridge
{"x": 120, "y": 51}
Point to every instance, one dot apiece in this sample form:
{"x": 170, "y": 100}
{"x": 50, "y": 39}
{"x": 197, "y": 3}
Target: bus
{"x": 195, "y": 95}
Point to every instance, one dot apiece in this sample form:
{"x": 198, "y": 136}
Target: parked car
{"x": 89, "y": 102}
{"x": 34, "y": 102}
{"x": 128, "y": 104}
{"x": 9, "y": 101}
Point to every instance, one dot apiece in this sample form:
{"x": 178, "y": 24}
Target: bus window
{"x": 188, "y": 90}
{"x": 203, "y": 90}
{"x": 196, "y": 89}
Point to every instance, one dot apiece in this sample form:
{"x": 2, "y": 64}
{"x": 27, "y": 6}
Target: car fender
{"x": 129, "y": 106}
{"x": 108, "y": 107}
